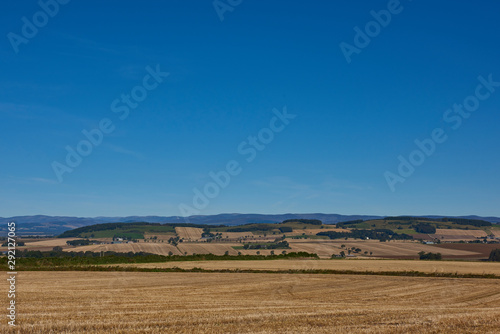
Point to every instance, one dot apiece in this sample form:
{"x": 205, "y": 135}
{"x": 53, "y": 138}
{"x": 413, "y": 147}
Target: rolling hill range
{"x": 389, "y": 237}
{"x": 54, "y": 225}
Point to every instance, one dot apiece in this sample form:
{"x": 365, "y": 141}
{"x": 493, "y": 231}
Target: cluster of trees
{"x": 458, "y": 221}
{"x": 57, "y": 252}
{"x": 80, "y": 242}
{"x": 56, "y": 258}
{"x": 252, "y": 228}
{"x": 273, "y": 245}
{"x": 429, "y": 256}
{"x": 113, "y": 226}
{"x": 285, "y": 229}
{"x": 408, "y": 218}
{"x": 376, "y": 234}
{"x": 304, "y": 221}
{"x": 174, "y": 240}
{"x": 350, "y": 222}
{"x": 425, "y": 228}
{"x": 463, "y": 221}
{"x": 102, "y": 227}
{"x": 206, "y": 233}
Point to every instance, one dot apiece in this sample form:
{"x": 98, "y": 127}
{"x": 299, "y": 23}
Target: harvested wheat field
{"x": 457, "y": 235}
{"x": 43, "y": 245}
{"x": 119, "y": 302}
{"x": 325, "y": 248}
{"x": 458, "y": 232}
{"x": 189, "y": 233}
{"x": 460, "y": 267}
{"x": 155, "y": 248}
{"x": 206, "y": 248}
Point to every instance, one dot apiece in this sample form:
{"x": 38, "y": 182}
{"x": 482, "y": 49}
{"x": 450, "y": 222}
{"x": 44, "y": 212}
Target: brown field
{"x": 483, "y": 249}
{"x": 457, "y": 235}
{"x": 132, "y": 302}
{"x": 455, "y": 232}
{"x": 189, "y": 233}
{"x": 155, "y": 248}
{"x": 392, "y": 249}
{"x": 460, "y": 267}
{"x": 43, "y": 245}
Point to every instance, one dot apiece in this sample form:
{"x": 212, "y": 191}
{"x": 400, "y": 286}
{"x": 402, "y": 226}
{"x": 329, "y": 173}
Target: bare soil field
{"x": 155, "y": 248}
{"x": 189, "y": 233}
{"x": 457, "y": 235}
{"x": 120, "y": 302}
{"x": 390, "y": 249}
{"x": 483, "y": 249}
{"x": 460, "y": 267}
{"x": 43, "y": 245}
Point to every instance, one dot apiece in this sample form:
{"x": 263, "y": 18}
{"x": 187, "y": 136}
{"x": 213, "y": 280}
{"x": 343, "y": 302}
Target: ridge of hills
{"x": 55, "y": 225}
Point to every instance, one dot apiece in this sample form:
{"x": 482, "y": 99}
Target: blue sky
{"x": 352, "y": 120}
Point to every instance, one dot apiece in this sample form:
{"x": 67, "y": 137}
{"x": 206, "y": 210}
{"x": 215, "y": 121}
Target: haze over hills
{"x": 53, "y": 225}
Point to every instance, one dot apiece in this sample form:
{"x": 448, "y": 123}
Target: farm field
{"x": 119, "y": 302}
{"x": 313, "y": 231}
{"x": 483, "y": 249}
{"x": 159, "y": 236}
{"x": 457, "y": 235}
{"x": 324, "y": 248}
{"x": 206, "y": 248}
{"x": 189, "y": 233}
{"x": 460, "y": 267}
{"x": 44, "y": 244}
{"x": 235, "y": 235}
{"x": 392, "y": 249}
{"x": 457, "y": 232}
{"x": 155, "y": 248}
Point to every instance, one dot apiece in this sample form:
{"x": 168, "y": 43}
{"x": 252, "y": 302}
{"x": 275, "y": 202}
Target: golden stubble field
{"x": 189, "y": 233}
{"x": 139, "y": 302}
{"x": 373, "y": 265}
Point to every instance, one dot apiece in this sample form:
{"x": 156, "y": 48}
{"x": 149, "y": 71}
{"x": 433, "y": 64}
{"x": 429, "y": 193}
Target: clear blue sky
{"x": 353, "y": 120}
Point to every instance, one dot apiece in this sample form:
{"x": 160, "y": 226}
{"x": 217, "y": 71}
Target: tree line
{"x": 376, "y": 234}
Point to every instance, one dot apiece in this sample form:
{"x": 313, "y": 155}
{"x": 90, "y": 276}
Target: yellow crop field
{"x": 189, "y": 233}
{"x": 47, "y": 244}
{"x": 206, "y": 248}
{"x": 325, "y": 248}
{"x": 472, "y": 233}
{"x": 139, "y": 302}
{"x": 155, "y": 248}
{"x": 460, "y": 267}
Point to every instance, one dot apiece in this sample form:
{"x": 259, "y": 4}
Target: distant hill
{"x": 54, "y": 225}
